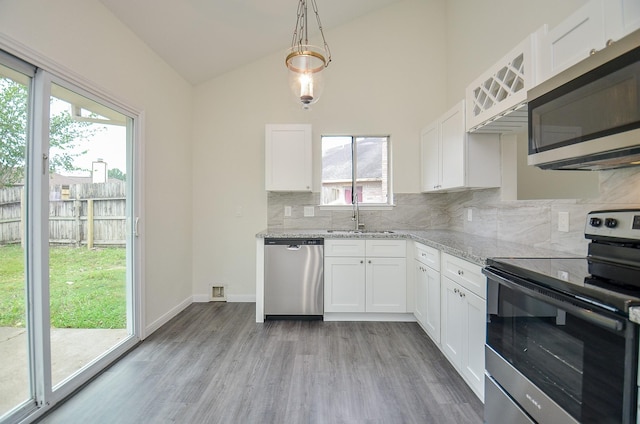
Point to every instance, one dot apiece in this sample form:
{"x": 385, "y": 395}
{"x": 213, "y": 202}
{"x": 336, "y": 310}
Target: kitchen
{"x": 196, "y": 128}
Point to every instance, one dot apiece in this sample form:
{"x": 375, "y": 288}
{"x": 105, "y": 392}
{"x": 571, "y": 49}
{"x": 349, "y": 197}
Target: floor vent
{"x": 217, "y": 294}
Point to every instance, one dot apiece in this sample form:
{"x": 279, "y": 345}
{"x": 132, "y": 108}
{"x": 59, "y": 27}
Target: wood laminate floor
{"x": 213, "y": 364}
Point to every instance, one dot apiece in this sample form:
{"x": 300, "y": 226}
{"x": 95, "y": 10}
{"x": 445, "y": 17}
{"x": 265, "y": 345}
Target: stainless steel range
{"x": 562, "y": 333}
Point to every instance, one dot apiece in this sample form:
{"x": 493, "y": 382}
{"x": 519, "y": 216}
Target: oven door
{"x": 560, "y": 359}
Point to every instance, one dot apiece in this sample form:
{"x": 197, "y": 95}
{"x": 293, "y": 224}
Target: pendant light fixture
{"x": 306, "y": 62}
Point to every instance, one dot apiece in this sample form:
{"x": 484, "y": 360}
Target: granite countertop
{"x": 470, "y": 247}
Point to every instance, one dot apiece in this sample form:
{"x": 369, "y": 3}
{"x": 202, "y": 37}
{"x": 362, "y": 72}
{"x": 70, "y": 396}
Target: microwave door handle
{"x": 583, "y": 313}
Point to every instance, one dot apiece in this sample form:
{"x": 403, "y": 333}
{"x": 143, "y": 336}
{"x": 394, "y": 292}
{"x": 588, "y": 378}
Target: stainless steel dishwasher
{"x": 293, "y": 278}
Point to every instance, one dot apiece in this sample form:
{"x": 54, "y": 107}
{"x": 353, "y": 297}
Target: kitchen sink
{"x": 360, "y": 231}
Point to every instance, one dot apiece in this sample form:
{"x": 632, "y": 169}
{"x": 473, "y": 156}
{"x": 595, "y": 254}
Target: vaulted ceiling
{"x": 202, "y": 39}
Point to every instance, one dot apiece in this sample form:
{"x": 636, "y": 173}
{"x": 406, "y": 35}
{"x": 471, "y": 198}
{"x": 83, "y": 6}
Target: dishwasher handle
{"x": 293, "y": 247}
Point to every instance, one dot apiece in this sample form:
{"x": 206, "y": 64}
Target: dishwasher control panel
{"x": 293, "y": 241}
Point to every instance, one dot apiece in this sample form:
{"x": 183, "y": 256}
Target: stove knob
{"x": 595, "y": 222}
{"x": 610, "y": 222}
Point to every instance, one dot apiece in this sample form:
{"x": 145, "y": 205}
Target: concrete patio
{"x": 71, "y": 349}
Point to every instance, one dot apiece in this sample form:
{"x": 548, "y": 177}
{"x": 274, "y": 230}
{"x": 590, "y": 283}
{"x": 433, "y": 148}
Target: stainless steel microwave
{"x": 588, "y": 116}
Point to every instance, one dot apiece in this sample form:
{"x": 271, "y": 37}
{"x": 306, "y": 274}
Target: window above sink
{"x": 357, "y": 165}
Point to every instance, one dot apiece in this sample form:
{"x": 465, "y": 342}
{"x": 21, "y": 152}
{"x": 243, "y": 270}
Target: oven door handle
{"x": 588, "y": 315}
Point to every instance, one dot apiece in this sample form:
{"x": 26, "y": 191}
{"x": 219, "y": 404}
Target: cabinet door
{"x": 288, "y": 159}
{"x": 452, "y": 321}
{"x": 344, "y": 284}
{"x": 572, "y": 40}
{"x": 386, "y": 285}
{"x": 474, "y": 331}
{"x": 421, "y": 289}
{"x": 430, "y": 158}
{"x": 452, "y": 140}
{"x": 432, "y": 322}
{"x": 630, "y": 13}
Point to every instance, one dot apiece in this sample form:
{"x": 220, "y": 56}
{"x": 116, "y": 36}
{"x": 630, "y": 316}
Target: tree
{"x": 117, "y": 174}
{"x": 63, "y": 134}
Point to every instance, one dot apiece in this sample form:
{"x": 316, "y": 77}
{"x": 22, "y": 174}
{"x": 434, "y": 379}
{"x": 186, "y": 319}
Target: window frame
{"x": 366, "y": 206}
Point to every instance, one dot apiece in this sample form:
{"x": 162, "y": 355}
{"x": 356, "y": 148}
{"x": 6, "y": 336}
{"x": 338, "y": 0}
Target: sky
{"x": 108, "y": 143}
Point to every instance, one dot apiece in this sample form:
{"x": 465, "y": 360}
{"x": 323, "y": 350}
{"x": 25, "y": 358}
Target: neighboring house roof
{"x": 57, "y": 179}
{"x": 336, "y": 162}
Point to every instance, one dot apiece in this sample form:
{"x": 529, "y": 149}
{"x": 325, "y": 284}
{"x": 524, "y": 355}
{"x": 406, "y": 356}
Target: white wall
{"x": 84, "y": 37}
{"x": 387, "y": 77}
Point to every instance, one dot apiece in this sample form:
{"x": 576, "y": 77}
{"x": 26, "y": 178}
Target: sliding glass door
{"x": 15, "y": 367}
{"x": 88, "y": 288}
{"x": 68, "y": 247}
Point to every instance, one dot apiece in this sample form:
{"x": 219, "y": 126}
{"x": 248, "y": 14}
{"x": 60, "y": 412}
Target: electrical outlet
{"x": 470, "y": 214}
{"x": 563, "y": 222}
{"x": 309, "y": 211}
{"x": 287, "y": 211}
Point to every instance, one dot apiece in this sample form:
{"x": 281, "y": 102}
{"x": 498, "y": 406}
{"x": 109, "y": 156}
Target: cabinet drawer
{"x": 344, "y": 247}
{"x": 379, "y": 248}
{"x": 427, "y": 255}
{"x": 465, "y": 273}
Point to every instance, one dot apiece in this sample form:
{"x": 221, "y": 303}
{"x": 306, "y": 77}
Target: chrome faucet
{"x": 356, "y": 212}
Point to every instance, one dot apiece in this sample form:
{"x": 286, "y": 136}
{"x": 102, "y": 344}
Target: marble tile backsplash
{"x": 531, "y": 222}
{"x": 412, "y": 211}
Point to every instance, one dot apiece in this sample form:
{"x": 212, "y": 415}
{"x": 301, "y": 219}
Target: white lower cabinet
{"x": 373, "y": 281}
{"x": 344, "y": 284}
{"x": 386, "y": 285}
{"x": 427, "y": 287}
{"x": 463, "y": 326}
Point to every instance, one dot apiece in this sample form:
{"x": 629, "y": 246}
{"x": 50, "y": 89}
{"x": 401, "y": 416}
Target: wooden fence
{"x": 79, "y": 214}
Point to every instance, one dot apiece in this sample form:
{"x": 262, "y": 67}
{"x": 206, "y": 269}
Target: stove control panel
{"x": 619, "y": 224}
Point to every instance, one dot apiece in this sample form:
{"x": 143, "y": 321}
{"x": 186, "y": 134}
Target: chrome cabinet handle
{"x": 460, "y": 272}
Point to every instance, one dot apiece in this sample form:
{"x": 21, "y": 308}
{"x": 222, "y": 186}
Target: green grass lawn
{"x": 87, "y": 287}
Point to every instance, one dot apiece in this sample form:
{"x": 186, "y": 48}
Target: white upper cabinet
{"x": 622, "y": 17}
{"x": 430, "y": 153}
{"x": 452, "y": 159}
{"x": 288, "y": 157}
{"x": 501, "y": 92}
{"x": 587, "y": 30}
{"x": 452, "y": 147}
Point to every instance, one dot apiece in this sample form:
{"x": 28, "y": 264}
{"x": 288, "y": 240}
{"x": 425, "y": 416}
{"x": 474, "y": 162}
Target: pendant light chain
{"x": 300, "y": 32}
{"x": 326, "y": 46}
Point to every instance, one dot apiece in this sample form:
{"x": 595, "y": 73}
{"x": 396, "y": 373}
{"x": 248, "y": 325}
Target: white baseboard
{"x": 201, "y": 298}
{"x": 249, "y": 298}
{"x": 165, "y": 318}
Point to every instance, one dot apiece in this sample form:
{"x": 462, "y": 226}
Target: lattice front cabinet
{"x": 496, "y": 101}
